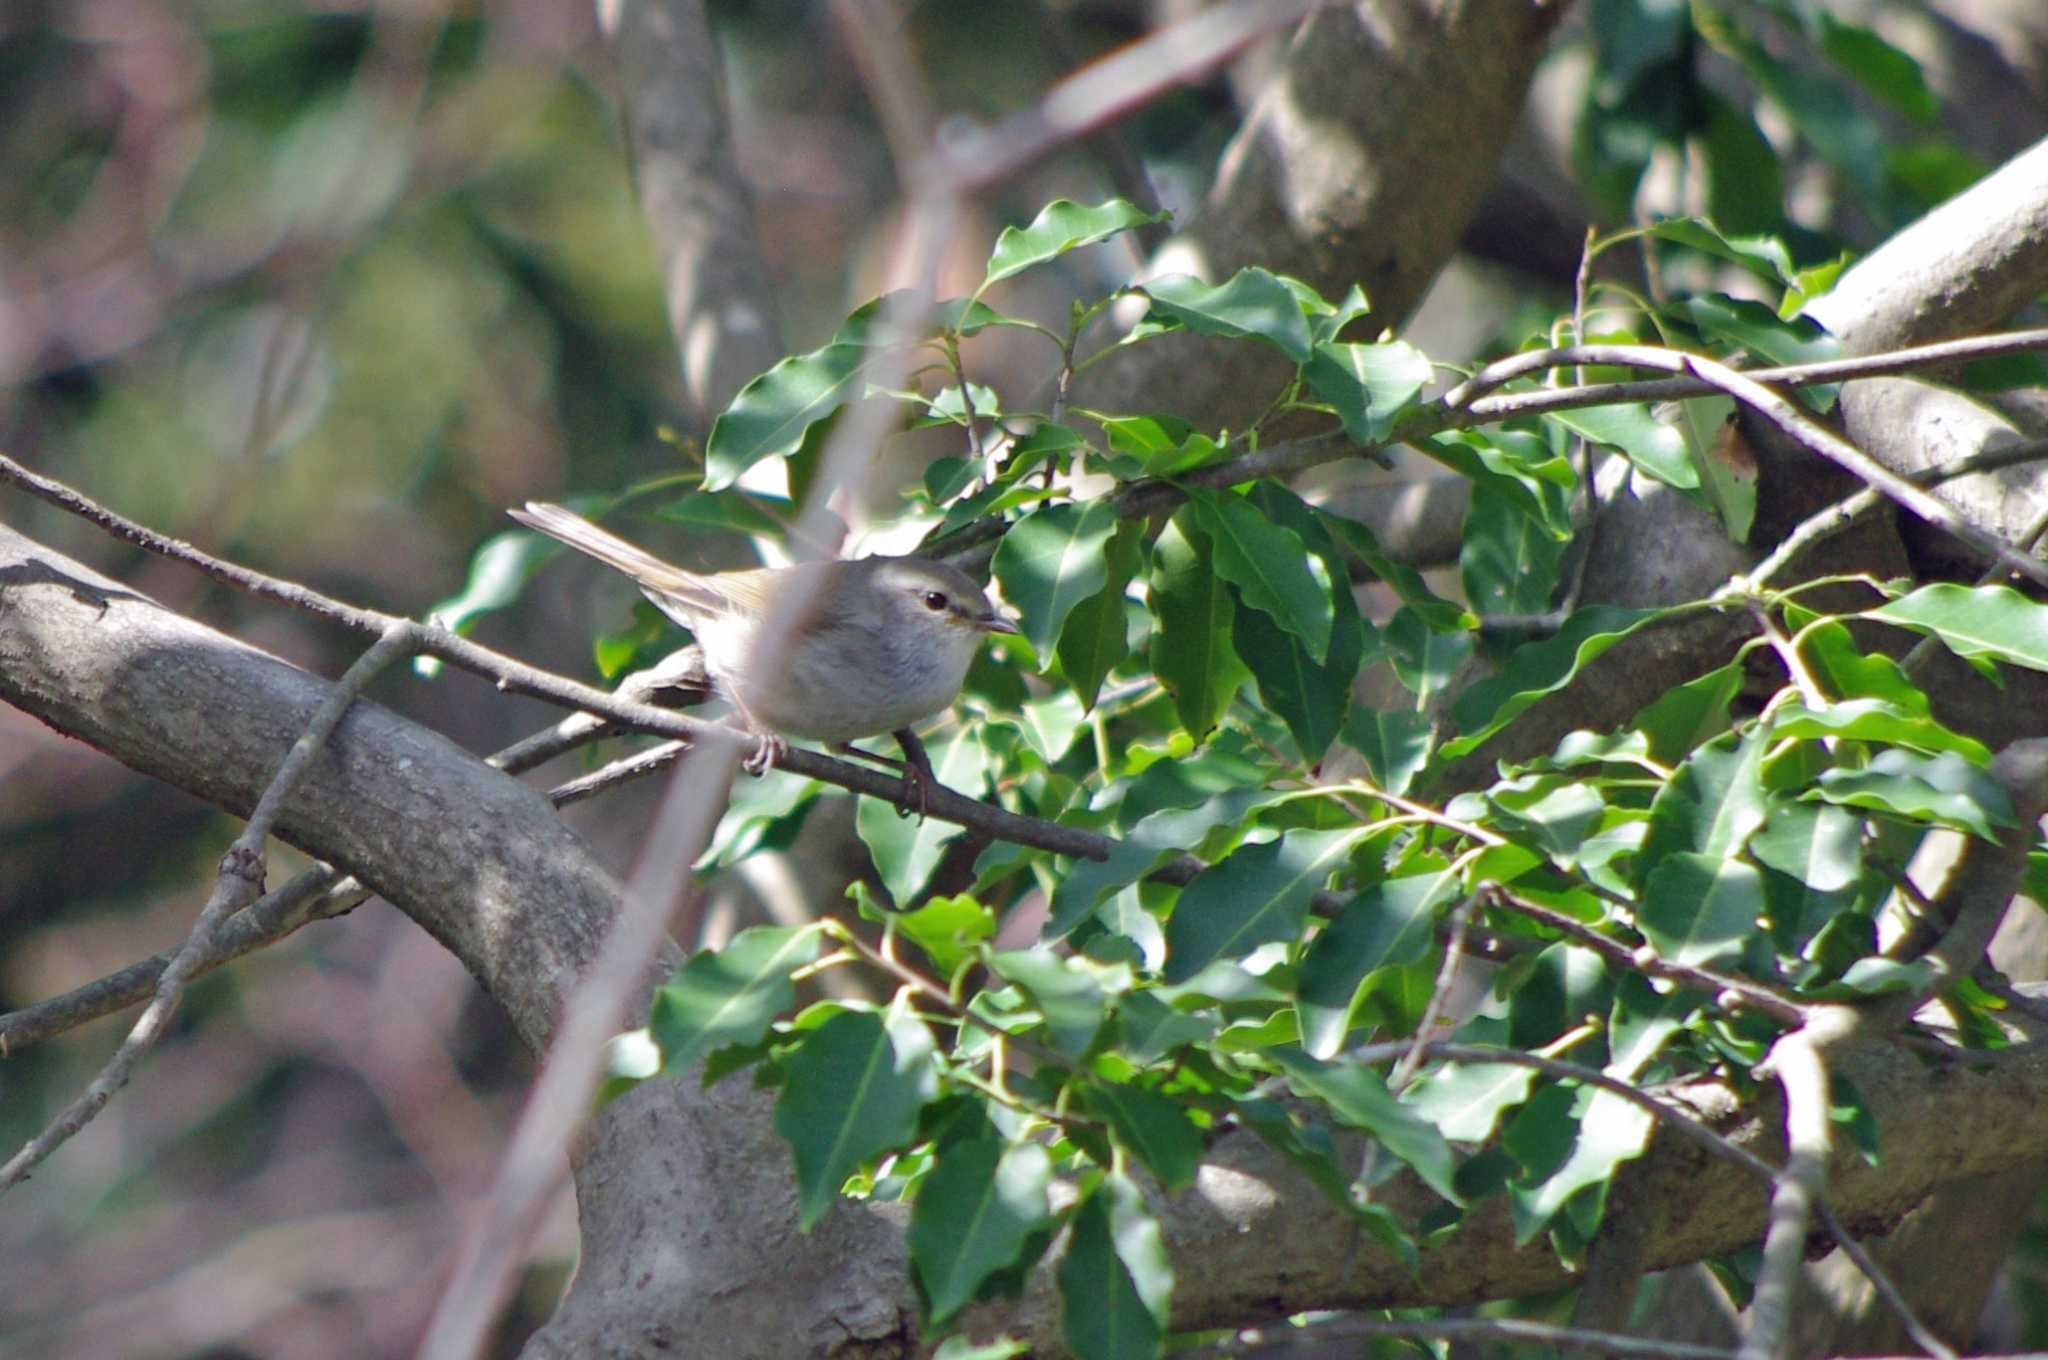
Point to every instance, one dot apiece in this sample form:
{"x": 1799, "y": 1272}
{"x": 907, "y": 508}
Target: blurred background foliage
{"x": 324, "y": 287}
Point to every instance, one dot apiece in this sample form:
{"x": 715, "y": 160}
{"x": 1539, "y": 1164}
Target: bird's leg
{"x": 918, "y": 777}
{"x": 771, "y": 747}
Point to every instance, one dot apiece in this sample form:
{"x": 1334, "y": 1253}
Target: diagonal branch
{"x": 236, "y": 884}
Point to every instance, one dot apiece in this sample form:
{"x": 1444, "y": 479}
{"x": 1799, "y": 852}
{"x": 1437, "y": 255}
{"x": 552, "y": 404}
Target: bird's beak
{"x": 996, "y": 623}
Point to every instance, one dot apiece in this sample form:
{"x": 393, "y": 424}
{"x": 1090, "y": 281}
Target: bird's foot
{"x": 769, "y": 749}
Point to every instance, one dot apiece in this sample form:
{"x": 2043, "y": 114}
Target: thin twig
{"x": 237, "y": 883}
{"x": 1830, "y": 520}
{"x": 1794, "y": 422}
{"x": 1509, "y": 1330}
{"x": 518, "y": 677}
{"x": 1727, "y": 989}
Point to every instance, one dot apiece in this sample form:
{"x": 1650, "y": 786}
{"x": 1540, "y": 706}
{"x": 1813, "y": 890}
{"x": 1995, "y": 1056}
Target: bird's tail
{"x": 607, "y": 547}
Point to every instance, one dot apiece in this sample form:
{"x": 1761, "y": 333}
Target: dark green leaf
{"x": 1259, "y": 893}
{"x": 1069, "y": 993}
{"x": 848, "y": 1094}
{"x": 1191, "y": 651}
{"x": 1538, "y": 669}
{"x": 976, "y": 1215}
{"x": 1356, "y": 1095}
{"x": 1759, "y": 330}
{"x": 1507, "y": 561}
{"x": 1610, "y": 1131}
{"x": 1695, "y": 711}
{"x": 1389, "y": 924}
{"x": 1815, "y": 843}
{"x": 1096, "y": 635}
{"x": 907, "y": 849}
{"x": 1712, "y": 804}
{"x": 1701, "y": 910}
{"x": 1104, "y": 1313}
{"x": 1152, "y": 1127}
{"x": 1271, "y": 567}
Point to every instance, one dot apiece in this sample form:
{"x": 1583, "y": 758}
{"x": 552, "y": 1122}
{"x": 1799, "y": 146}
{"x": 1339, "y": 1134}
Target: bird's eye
{"x": 935, "y": 600}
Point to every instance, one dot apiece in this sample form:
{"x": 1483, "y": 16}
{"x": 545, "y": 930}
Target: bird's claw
{"x": 769, "y": 749}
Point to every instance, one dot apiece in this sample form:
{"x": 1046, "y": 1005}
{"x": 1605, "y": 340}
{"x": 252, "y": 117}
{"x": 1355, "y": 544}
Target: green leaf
{"x": 729, "y": 996}
{"x": 1390, "y": 924}
{"x": 1609, "y": 1132}
{"x": 1061, "y": 226}
{"x": 1191, "y": 650}
{"x": 1712, "y": 804}
{"x": 1069, "y": 992}
{"x": 1876, "y": 65}
{"x": 1269, "y": 564}
{"x": 947, "y": 929}
{"x": 1104, "y": 1315}
{"x": 1945, "y": 789}
{"x": 1164, "y": 445}
{"x": 849, "y": 1093}
{"x": 771, "y": 414}
{"x": 1369, "y": 386}
{"x": 498, "y": 572}
{"x": 744, "y": 512}
{"x": 1538, "y": 669}
{"x": 1253, "y": 302}
{"x": 1650, "y": 444}
{"x": 1744, "y": 186}
{"x": 1152, "y": 1127}
{"x": 1874, "y": 720}
{"x": 1260, "y": 893}
{"x": 1758, "y": 329}
{"x": 1356, "y": 1095}
{"x": 1049, "y": 562}
{"x": 1695, "y": 711}
{"x": 907, "y": 849}
{"x": 1464, "y": 1101}
{"x": 1507, "y": 560}
{"x": 1312, "y": 697}
{"x": 1727, "y": 470}
{"x": 1764, "y": 256}
{"x": 1816, "y": 843}
{"x": 977, "y": 1215}
{"x": 1406, "y": 582}
{"x": 1153, "y": 840}
{"x": 961, "y": 1348}
{"x": 1096, "y": 635}
{"x": 1990, "y": 622}
{"x": 1701, "y": 910}
{"x": 1394, "y": 744}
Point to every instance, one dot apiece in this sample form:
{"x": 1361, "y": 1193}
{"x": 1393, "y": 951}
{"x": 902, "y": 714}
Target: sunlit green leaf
{"x": 1370, "y": 386}
{"x": 1260, "y": 893}
{"x": 1252, "y": 302}
{"x": 1989, "y": 621}
{"x": 729, "y": 996}
{"x": 1061, "y": 226}
{"x": 771, "y": 414}
{"x": 1052, "y": 560}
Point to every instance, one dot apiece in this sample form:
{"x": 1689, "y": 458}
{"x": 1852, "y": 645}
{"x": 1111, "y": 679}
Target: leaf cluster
{"x": 1649, "y": 901}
